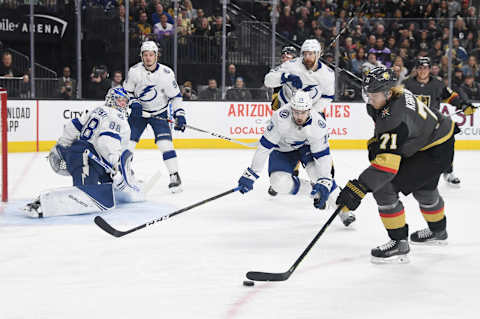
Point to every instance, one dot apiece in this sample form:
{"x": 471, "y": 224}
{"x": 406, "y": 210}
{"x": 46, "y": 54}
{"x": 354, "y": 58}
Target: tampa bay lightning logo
{"x": 148, "y": 94}
{"x": 322, "y": 123}
{"x": 270, "y": 126}
{"x": 284, "y": 114}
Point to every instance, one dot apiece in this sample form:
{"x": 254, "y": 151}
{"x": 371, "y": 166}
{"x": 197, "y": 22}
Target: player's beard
{"x": 308, "y": 64}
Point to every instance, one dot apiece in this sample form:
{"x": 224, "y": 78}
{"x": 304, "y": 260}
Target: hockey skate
{"x": 427, "y": 237}
{"x": 175, "y": 183}
{"x": 451, "y": 180}
{"x": 393, "y": 252}
{"x": 34, "y": 209}
{"x": 272, "y": 192}
{"x": 347, "y": 218}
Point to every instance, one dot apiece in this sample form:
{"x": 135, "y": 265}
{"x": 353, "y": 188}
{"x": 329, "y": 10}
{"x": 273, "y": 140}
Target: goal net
{"x": 3, "y": 145}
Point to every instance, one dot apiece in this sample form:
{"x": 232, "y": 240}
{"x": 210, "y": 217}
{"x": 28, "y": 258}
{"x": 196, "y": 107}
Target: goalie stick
{"x": 102, "y": 223}
{"x": 270, "y": 276}
{"x": 154, "y": 115}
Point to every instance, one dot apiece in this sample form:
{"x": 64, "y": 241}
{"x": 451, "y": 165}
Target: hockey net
{"x": 3, "y": 145}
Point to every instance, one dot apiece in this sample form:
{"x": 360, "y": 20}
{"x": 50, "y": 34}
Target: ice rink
{"x": 193, "y": 265}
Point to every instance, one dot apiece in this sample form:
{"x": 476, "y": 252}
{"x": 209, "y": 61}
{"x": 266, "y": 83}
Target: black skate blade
{"x": 267, "y": 276}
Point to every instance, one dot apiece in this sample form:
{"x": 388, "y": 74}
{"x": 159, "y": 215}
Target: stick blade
{"x": 107, "y": 228}
{"x": 267, "y": 276}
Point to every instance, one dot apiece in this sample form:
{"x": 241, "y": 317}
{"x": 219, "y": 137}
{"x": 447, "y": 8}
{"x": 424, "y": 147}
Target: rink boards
{"x": 35, "y": 125}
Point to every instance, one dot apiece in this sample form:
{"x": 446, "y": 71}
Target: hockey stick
{"x": 269, "y": 276}
{"x": 146, "y": 114}
{"x": 118, "y": 233}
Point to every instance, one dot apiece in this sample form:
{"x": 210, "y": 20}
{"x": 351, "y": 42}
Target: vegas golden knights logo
{"x": 424, "y": 98}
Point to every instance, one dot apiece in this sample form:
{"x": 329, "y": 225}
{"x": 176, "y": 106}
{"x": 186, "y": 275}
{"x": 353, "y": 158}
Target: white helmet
{"x": 148, "y": 46}
{"x": 311, "y": 45}
{"x": 301, "y": 101}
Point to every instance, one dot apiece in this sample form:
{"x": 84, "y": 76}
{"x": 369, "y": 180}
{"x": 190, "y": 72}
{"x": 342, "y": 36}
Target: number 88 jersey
{"x": 105, "y": 128}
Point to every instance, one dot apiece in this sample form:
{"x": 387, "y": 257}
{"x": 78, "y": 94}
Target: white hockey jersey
{"x": 153, "y": 89}
{"x": 105, "y": 128}
{"x": 284, "y": 135}
{"x": 320, "y": 83}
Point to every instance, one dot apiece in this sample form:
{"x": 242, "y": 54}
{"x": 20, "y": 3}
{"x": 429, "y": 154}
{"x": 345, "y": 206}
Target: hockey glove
{"x": 180, "y": 121}
{"x": 320, "y": 192}
{"x": 352, "y": 194}
{"x": 467, "y": 108}
{"x": 294, "y": 79}
{"x": 246, "y": 181}
{"x": 372, "y": 146}
{"x": 136, "y": 109}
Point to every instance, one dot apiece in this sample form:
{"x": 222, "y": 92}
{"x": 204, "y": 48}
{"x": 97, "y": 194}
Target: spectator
{"x": 187, "y": 91}
{"x": 163, "y": 30}
{"x": 286, "y": 22}
{"x": 191, "y": 13}
{"x": 140, "y": 6}
{"x": 143, "y": 28}
{"x": 358, "y": 61}
{"x": 117, "y": 79}
{"x": 436, "y": 72}
{"x": 371, "y": 63}
{"x": 436, "y": 51}
{"x": 157, "y": 15}
{"x": 6, "y": 68}
{"x": 231, "y": 76}
{"x": 301, "y": 33}
{"x": 211, "y": 93}
{"x": 382, "y": 53}
{"x": 197, "y": 22}
{"x": 67, "y": 87}
{"x": 472, "y": 68}
{"x": 98, "y": 85}
{"x": 400, "y": 70}
{"x": 318, "y": 35}
{"x": 239, "y": 92}
{"x": 470, "y": 89}
{"x": 457, "y": 79}
{"x": 14, "y": 87}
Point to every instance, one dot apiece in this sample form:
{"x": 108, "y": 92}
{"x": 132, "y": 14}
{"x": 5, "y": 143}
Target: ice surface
{"x": 193, "y": 265}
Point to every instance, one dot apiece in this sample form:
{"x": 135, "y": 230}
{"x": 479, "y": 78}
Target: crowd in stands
{"x": 388, "y": 32}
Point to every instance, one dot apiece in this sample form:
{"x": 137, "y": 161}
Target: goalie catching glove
{"x": 352, "y": 194}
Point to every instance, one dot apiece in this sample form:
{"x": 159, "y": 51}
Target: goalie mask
{"x": 117, "y": 98}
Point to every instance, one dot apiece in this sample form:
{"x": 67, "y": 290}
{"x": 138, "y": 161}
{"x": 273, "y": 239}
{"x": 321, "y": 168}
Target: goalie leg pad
{"x": 77, "y": 200}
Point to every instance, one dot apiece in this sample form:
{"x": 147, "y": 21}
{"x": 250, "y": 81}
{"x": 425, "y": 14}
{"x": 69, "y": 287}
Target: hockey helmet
{"x": 148, "y": 46}
{"x": 301, "y": 101}
{"x": 423, "y": 61}
{"x": 311, "y": 45}
{"x": 117, "y": 98}
{"x": 290, "y": 50}
{"x": 379, "y": 79}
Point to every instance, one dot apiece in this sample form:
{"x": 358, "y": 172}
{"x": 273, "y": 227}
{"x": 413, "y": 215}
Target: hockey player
{"x": 295, "y": 133}
{"x": 306, "y": 73}
{"x": 432, "y": 92}
{"x": 288, "y": 53}
{"x": 152, "y": 87}
{"x": 92, "y": 149}
{"x": 411, "y": 147}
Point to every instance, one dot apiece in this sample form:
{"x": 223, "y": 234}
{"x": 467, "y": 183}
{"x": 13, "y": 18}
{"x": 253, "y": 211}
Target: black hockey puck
{"x": 248, "y": 283}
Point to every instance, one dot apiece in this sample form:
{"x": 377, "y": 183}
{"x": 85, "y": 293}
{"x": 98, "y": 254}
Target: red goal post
{"x": 3, "y": 145}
